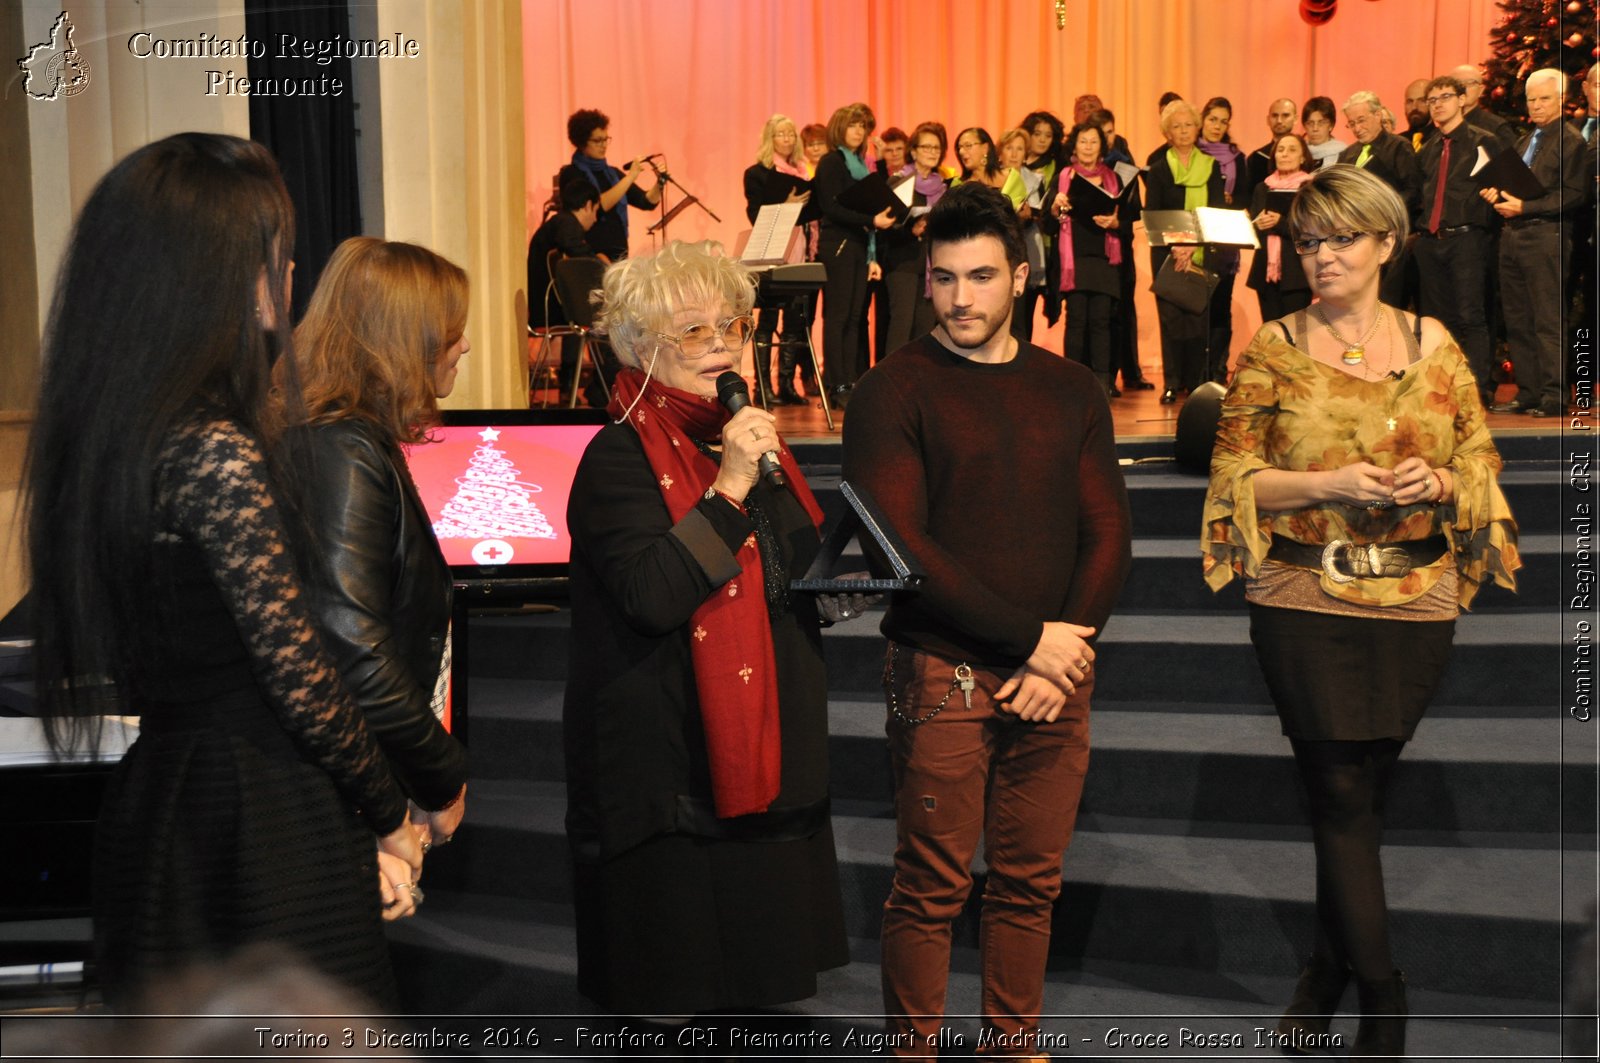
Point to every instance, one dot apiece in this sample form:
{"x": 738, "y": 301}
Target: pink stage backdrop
{"x": 697, "y": 78}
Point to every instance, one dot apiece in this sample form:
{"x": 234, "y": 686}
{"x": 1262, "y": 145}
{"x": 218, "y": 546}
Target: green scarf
{"x": 1193, "y": 180}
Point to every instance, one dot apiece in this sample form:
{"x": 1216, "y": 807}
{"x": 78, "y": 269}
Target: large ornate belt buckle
{"x": 1363, "y": 561}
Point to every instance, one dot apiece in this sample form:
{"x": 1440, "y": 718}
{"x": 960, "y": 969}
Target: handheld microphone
{"x": 734, "y": 393}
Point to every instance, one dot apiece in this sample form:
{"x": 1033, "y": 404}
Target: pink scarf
{"x": 1280, "y": 182}
{"x": 813, "y": 229}
{"x": 1108, "y": 181}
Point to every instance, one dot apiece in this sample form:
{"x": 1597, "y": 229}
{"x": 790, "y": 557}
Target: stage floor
{"x": 1136, "y": 414}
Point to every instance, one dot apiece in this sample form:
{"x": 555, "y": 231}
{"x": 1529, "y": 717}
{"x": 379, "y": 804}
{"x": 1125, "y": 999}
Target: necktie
{"x": 1438, "y": 195}
{"x": 1366, "y": 153}
{"x": 1588, "y": 130}
{"x": 1533, "y": 147}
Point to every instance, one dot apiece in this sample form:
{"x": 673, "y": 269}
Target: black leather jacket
{"x": 382, "y": 599}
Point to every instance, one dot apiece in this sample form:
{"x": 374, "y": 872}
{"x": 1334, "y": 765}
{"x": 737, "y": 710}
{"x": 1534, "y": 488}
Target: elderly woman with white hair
{"x": 1181, "y": 176}
{"x": 695, "y": 719}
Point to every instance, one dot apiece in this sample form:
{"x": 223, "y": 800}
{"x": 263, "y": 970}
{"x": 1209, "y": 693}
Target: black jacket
{"x": 382, "y": 600}
{"x": 1393, "y": 160}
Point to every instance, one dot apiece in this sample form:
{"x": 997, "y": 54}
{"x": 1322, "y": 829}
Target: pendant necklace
{"x": 1353, "y": 352}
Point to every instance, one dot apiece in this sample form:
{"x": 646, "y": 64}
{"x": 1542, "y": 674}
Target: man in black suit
{"x": 1418, "y": 125}
{"x": 1471, "y": 78}
{"x": 1384, "y": 155}
{"x": 1533, "y": 247}
{"x": 1280, "y": 120}
{"x": 1453, "y": 226}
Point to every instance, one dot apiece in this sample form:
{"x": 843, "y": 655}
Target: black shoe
{"x": 1115, "y": 392}
{"x": 1304, "y": 1026}
{"x": 1510, "y": 407}
{"x": 840, "y": 396}
{"x": 1168, "y": 397}
{"x": 1139, "y": 385}
{"x": 788, "y": 397}
{"x": 1541, "y": 411}
{"x": 1382, "y": 1032}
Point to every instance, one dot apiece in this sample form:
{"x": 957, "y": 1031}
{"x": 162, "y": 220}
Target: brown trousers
{"x": 963, "y": 774}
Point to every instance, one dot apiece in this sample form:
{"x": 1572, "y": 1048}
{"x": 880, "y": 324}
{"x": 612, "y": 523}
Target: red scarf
{"x": 735, "y": 672}
{"x": 1282, "y": 182}
{"x": 1108, "y": 182}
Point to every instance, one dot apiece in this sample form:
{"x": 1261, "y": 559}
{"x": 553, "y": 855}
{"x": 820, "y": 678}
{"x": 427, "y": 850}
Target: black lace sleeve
{"x": 210, "y": 490}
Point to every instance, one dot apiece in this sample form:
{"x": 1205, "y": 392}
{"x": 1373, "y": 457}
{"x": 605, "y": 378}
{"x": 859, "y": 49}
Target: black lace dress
{"x": 246, "y": 810}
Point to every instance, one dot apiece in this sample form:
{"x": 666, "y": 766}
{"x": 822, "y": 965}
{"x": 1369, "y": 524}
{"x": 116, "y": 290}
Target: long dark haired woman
{"x": 1353, "y": 488}
{"x": 1091, "y": 252}
{"x": 165, "y": 585}
{"x": 847, "y": 249}
{"x": 979, "y": 158}
{"x": 379, "y": 346}
{"x": 1042, "y": 158}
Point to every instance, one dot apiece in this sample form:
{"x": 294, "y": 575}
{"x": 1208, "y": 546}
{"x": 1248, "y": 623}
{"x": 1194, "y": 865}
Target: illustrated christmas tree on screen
{"x": 492, "y": 505}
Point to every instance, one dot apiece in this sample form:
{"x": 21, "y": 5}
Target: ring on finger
{"x": 416, "y": 893}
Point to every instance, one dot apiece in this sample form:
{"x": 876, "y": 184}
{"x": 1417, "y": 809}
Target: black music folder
{"x": 1090, "y": 200}
{"x": 884, "y": 551}
{"x": 1506, "y": 171}
{"x": 1279, "y": 200}
{"x": 871, "y": 195}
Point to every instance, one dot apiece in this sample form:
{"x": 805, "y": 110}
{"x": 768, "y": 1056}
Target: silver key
{"x": 965, "y": 681}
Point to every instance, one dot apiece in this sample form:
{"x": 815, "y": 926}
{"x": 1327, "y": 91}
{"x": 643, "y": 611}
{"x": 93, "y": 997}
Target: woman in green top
{"x": 1181, "y": 177}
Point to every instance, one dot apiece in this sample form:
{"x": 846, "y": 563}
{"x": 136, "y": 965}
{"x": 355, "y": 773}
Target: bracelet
{"x": 712, "y": 492}
{"x": 1439, "y": 478}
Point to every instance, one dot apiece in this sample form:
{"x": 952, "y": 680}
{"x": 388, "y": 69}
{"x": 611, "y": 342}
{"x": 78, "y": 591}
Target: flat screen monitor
{"x": 495, "y": 484}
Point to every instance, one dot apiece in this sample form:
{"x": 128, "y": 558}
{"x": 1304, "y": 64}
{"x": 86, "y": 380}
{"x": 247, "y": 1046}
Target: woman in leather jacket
{"x": 378, "y": 347}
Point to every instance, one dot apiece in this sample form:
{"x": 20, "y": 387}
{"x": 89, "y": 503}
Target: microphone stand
{"x": 690, "y": 199}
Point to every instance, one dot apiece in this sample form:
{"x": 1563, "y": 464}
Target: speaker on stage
{"x": 1197, "y": 427}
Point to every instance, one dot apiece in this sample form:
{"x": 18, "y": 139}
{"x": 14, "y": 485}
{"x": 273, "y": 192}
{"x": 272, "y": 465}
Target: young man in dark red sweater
{"x": 994, "y": 460}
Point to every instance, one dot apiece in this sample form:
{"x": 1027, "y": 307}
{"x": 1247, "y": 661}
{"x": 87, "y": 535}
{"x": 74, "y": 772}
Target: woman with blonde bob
{"x": 1353, "y": 488}
{"x": 379, "y": 346}
{"x": 695, "y": 718}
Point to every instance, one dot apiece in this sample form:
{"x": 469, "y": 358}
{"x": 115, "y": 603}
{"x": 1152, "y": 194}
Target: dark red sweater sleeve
{"x": 1105, "y": 527}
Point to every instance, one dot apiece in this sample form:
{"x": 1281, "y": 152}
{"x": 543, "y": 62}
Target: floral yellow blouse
{"x": 1286, "y": 410}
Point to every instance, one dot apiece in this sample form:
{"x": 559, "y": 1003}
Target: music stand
{"x": 885, "y": 547}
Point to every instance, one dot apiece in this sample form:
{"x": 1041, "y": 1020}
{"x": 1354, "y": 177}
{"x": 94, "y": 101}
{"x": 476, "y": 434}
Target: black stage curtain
{"x": 312, "y": 132}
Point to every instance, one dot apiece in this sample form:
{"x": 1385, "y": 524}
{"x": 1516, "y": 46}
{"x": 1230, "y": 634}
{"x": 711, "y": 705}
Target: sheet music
{"x": 1033, "y": 182}
{"x": 1231, "y": 228}
{"x": 1483, "y": 160}
{"x": 769, "y": 240}
{"x": 905, "y": 189}
{"x": 1126, "y": 172}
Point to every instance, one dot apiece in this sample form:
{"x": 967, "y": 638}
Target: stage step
{"x": 471, "y": 955}
{"x": 1504, "y": 658}
{"x": 1462, "y": 915}
{"x": 1206, "y": 764}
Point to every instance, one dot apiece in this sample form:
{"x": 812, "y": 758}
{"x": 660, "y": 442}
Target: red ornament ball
{"x": 1499, "y": 92}
{"x": 1552, "y": 22}
{"x": 1575, "y": 40}
{"x": 1511, "y": 38}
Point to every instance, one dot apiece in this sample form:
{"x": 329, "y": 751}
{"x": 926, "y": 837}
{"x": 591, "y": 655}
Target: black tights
{"x": 1345, "y": 784}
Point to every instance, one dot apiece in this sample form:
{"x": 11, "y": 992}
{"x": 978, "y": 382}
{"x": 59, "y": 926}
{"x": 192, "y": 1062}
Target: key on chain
{"x": 965, "y": 682}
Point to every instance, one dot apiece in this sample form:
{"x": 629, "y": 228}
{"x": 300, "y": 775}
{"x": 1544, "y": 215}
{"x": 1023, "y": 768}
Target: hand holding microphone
{"x": 752, "y": 432}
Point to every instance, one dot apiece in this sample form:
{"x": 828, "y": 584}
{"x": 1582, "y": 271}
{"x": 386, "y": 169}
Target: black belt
{"x": 1453, "y": 230}
{"x": 1344, "y": 561}
{"x": 1524, "y": 222}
